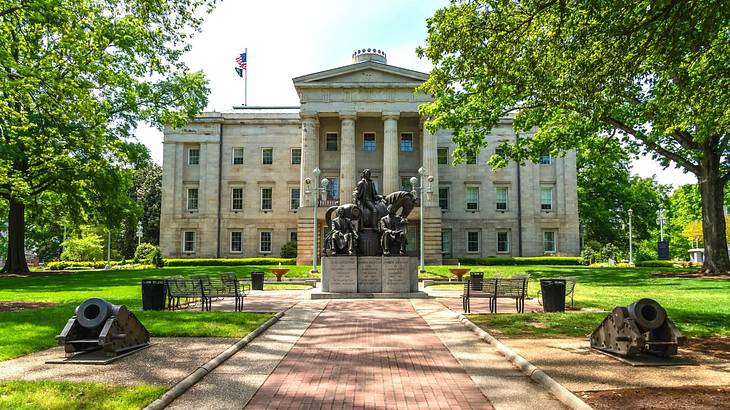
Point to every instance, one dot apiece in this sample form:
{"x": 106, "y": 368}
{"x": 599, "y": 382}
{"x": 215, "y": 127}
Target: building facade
{"x": 234, "y": 183}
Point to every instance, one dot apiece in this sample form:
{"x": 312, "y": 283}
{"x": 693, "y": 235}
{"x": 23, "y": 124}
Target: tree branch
{"x": 688, "y": 165}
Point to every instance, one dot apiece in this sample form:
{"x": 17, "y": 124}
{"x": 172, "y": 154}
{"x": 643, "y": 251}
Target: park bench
{"x": 227, "y": 285}
{"x": 570, "y": 282}
{"x": 179, "y": 288}
{"x": 494, "y": 289}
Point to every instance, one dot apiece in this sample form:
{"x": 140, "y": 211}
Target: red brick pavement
{"x": 369, "y": 354}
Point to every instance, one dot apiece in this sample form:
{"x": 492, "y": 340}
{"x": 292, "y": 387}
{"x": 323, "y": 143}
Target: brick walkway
{"x": 369, "y": 354}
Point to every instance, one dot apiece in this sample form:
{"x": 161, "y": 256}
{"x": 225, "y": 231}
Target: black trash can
{"x": 553, "y": 295}
{"x": 477, "y": 280}
{"x": 153, "y": 294}
{"x": 257, "y": 280}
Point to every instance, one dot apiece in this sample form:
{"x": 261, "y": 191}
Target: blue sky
{"x": 289, "y": 38}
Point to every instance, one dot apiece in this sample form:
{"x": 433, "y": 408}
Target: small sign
{"x": 663, "y": 250}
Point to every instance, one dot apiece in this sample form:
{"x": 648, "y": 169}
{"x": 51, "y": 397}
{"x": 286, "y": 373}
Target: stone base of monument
{"x": 369, "y": 277}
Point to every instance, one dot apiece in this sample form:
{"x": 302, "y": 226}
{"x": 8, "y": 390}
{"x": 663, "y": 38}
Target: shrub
{"x": 523, "y": 260}
{"x": 666, "y": 264}
{"x": 289, "y": 250}
{"x": 610, "y": 252}
{"x": 589, "y": 256}
{"x": 78, "y": 265}
{"x": 228, "y": 262}
{"x": 149, "y": 254}
{"x": 88, "y": 248}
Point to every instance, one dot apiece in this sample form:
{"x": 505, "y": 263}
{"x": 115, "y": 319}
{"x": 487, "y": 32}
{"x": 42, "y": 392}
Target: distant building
{"x": 233, "y": 181}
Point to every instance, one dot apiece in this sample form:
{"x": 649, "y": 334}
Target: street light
{"x": 420, "y": 189}
{"x": 318, "y": 189}
{"x": 631, "y": 245}
{"x": 661, "y": 219}
{"x": 139, "y": 233}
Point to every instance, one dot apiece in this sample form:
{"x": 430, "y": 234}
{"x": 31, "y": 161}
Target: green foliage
{"x": 518, "y": 260}
{"x": 665, "y": 264}
{"x": 610, "y": 252}
{"x": 289, "y": 250}
{"x": 645, "y": 250}
{"x": 88, "y": 248}
{"x": 573, "y": 73}
{"x": 148, "y": 253}
{"x": 77, "y": 265}
{"x": 51, "y": 394}
{"x": 588, "y": 256}
{"x": 228, "y": 262}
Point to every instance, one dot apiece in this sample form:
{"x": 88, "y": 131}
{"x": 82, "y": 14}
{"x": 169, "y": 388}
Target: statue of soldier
{"x": 392, "y": 233}
{"x": 366, "y": 197}
{"x": 343, "y": 236}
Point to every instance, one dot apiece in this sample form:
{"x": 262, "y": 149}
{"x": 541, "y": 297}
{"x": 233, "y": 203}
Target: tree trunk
{"x": 713, "y": 217}
{"x": 15, "y": 262}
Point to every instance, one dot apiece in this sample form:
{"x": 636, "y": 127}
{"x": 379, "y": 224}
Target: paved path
{"x": 369, "y": 354}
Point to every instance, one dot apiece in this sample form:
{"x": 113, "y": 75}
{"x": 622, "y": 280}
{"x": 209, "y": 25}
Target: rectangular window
{"x": 406, "y": 141}
{"x": 444, "y": 198}
{"x": 267, "y": 156}
{"x": 472, "y": 241}
{"x": 502, "y": 198}
{"x": 193, "y": 156}
{"x": 545, "y": 159}
{"x": 331, "y": 138}
{"x": 236, "y": 241}
{"x": 333, "y": 189}
{"x": 293, "y": 236}
{"x": 502, "y": 242}
{"x": 237, "y": 199}
{"x": 296, "y": 156}
{"x": 443, "y": 156}
{"x": 189, "y": 242}
{"x": 472, "y": 198}
{"x": 192, "y": 199}
{"x": 548, "y": 241}
{"x": 368, "y": 141}
{"x": 237, "y": 156}
{"x": 446, "y": 242}
{"x": 294, "y": 198}
{"x": 405, "y": 184}
{"x": 265, "y": 242}
{"x": 546, "y": 198}
{"x": 266, "y": 198}
{"x": 471, "y": 158}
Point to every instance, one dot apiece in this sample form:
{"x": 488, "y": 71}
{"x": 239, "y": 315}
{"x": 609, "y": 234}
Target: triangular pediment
{"x": 364, "y": 73}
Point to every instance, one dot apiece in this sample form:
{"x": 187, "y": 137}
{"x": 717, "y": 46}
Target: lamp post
{"x": 420, "y": 189}
{"x": 139, "y": 233}
{"x": 661, "y": 219}
{"x": 631, "y": 245}
{"x": 320, "y": 187}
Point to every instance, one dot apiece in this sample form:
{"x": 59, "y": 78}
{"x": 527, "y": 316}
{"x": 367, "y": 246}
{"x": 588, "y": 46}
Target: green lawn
{"x": 53, "y": 395}
{"x": 27, "y": 331}
{"x": 699, "y": 307}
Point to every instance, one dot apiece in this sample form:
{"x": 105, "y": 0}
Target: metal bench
{"x": 179, "y": 288}
{"x": 570, "y": 282}
{"x": 225, "y": 286}
{"x": 494, "y": 289}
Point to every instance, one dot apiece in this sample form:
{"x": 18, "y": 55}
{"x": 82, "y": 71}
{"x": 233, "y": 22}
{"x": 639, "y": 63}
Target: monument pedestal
{"x": 369, "y": 277}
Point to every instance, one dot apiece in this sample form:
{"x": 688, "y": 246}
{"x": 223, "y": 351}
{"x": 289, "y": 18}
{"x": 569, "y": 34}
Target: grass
{"x": 699, "y": 307}
{"x": 54, "y": 395}
{"x": 540, "y": 324}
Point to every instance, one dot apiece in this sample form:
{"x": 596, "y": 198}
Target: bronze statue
{"x": 393, "y": 234}
{"x": 366, "y": 197}
{"x": 343, "y": 236}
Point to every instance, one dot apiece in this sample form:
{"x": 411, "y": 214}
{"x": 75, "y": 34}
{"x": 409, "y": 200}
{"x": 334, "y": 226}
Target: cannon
{"x": 99, "y": 324}
{"x": 641, "y": 327}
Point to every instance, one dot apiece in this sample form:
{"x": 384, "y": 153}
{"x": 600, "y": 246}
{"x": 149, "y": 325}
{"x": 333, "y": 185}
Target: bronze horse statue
{"x": 399, "y": 200}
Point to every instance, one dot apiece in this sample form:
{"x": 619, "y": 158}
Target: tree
{"x": 650, "y": 74}
{"x": 76, "y": 77}
{"x": 88, "y": 248}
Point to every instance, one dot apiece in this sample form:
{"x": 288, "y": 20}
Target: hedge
{"x": 229, "y": 262}
{"x": 523, "y": 260}
{"x": 666, "y": 264}
{"x": 65, "y": 265}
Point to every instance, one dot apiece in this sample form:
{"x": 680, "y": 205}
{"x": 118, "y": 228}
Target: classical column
{"x": 391, "y": 178}
{"x": 348, "y": 173}
{"x": 430, "y": 164}
{"x": 310, "y": 145}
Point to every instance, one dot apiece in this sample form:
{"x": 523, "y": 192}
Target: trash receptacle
{"x": 553, "y": 295}
{"x": 153, "y": 294}
{"x": 477, "y": 280}
{"x": 257, "y": 280}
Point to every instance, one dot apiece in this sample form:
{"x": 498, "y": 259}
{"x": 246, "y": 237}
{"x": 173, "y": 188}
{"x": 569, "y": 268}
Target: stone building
{"x": 233, "y": 182}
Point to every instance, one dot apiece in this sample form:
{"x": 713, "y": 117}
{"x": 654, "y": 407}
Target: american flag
{"x": 241, "y": 60}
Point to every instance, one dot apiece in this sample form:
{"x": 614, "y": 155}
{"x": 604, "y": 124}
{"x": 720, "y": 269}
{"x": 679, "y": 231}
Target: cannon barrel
{"x": 93, "y": 312}
{"x": 647, "y": 314}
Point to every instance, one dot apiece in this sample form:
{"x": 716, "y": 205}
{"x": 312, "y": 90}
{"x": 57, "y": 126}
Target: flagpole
{"x": 245, "y": 80}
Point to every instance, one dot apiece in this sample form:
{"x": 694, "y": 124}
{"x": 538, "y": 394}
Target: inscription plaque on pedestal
{"x": 369, "y": 274}
{"x": 341, "y": 273}
{"x": 396, "y": 274}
